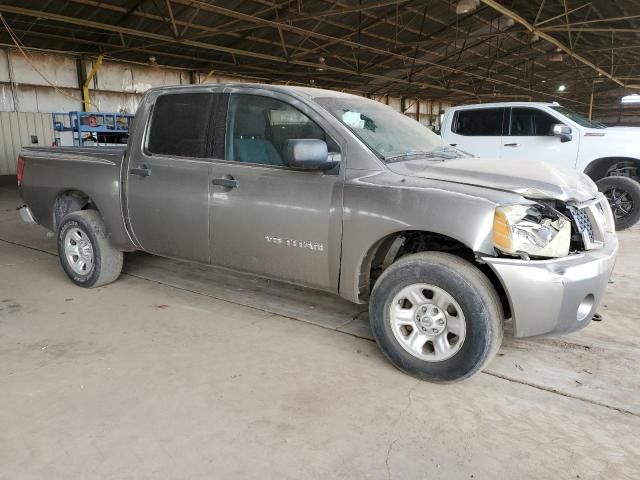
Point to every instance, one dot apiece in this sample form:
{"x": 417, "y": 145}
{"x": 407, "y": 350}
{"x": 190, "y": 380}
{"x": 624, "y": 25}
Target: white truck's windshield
{"x": 391, "y": 135}
{"x": 576, "y": 117}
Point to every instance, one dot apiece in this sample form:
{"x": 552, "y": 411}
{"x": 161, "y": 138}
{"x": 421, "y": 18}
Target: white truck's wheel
{"x": 85, "y": 252}
{"x": 436, "y": 316}
{"x": 623, "y": 194}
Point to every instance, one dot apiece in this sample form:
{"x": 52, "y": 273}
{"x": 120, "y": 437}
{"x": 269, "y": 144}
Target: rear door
{"x": 477, "y": 131}
{"x": 529, "y": 137}
{"x": 168, "y": 182}
{"x": 267, "y": 218}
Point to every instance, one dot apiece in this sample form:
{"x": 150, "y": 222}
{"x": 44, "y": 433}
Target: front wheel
{"x": 85, "y": 252}
{"x": 623, "y": 194}
{"x": 436, "y": 317}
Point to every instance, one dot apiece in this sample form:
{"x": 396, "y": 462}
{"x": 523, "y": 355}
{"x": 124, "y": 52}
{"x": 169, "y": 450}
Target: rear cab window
{"x": 480, "y": 122}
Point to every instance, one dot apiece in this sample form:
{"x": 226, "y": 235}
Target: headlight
{"x": 534, "y": 230}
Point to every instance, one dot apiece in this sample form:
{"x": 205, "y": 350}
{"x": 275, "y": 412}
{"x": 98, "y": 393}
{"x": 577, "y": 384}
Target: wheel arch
{"x": 393, "y": 246}
{"x": 71, "y": 200}
{"x": 601, "y": 167}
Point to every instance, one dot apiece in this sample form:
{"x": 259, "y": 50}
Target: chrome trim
{"x": 599, "y": 214}
{"x": 27, "y": 215}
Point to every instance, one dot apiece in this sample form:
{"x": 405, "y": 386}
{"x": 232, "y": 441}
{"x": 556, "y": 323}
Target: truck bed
{"x": 51, "y": 173}
{"x": 87, "y": 154}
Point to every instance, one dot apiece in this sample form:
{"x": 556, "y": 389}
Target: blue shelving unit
{"x": 101, "y": 128}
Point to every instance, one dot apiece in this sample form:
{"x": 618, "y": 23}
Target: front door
{"x": 168, "y": 184}
{"x": 267, "y": 218}
{"x": 530, "y": 137}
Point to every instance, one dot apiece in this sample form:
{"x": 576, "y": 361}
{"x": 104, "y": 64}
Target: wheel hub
{"x": 84, "y": 249}
{"x": 430, "y": 320}
{"x": 78, "y": 251}
{"x": 427, "y": 322}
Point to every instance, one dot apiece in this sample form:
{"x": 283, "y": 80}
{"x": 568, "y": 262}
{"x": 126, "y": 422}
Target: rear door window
{"x": 482, "y": 122}
{"x": 180, "y": 124}
{"x": 531, "y": 122}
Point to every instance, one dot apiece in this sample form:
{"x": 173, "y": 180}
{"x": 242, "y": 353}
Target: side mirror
{"x": 308, "y": 154}
{"x": 563, "y": 131}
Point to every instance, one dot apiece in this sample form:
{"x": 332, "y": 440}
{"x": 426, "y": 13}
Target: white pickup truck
{"x": 522, "y": 131}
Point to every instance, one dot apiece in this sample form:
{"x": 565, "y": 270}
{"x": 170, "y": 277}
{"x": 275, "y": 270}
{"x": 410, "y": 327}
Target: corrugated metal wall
{"x": 16, "y": 130}
{"x": 26, "y": 100}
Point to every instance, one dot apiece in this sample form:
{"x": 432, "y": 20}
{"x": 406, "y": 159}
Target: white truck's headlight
{"x": 534, "y": 230}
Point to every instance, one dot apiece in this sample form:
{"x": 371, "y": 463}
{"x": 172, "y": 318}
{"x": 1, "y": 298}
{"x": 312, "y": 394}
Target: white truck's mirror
{"x": 563, "y": 131}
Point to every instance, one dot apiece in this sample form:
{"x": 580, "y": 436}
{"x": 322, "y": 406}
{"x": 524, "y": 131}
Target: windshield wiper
{"x": 437, "y": 153}
{"x": 407, "y": 154}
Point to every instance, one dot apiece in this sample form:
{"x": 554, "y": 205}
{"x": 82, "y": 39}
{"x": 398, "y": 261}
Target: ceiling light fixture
{"x": 562, "y": 88}
{"x": 630, "y": 99}
{"x": 466, "y": 6}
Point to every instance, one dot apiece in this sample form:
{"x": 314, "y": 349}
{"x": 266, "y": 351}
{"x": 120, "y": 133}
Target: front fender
{"x": 378, "y": 204}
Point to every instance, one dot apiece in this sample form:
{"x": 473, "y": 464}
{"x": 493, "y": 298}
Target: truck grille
{"x": 591, "y": 220}
{"x": 583, "y": 222}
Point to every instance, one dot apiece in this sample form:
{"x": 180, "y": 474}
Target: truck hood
{"x": 531, "y": 179}
{"x": 617, "y": 133}
{"x": 622, "y": 130}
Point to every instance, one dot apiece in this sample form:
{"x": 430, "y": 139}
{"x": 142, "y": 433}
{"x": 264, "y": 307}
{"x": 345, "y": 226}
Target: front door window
{"x": 259, "y": 127}
{"x": 531, "y": 122}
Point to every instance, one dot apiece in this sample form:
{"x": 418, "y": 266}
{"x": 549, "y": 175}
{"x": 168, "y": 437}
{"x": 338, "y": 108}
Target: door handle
{"x": 511, "y": 144}
{"x": 453, "y": 144}
{"x": 227, "y": 182}
{"x": 141, "y": 171}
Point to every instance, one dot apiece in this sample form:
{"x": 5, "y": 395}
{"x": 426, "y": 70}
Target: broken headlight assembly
{"x": 531, "y": 230}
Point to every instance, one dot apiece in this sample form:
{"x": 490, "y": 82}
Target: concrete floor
{"x": 183, "y": 371}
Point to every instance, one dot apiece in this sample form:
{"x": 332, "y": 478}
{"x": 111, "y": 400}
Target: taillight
{"x": 20, "y": 170}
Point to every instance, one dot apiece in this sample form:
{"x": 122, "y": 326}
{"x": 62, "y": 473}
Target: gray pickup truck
{"x": 339, "y": 193}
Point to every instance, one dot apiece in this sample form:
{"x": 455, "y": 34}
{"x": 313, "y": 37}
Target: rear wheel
{"x": 436, "y": 317}
{"x": 623, "y": 194}
{"x": 85, "y": 252}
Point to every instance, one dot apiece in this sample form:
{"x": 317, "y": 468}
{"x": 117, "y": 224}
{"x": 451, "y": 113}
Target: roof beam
{"x": 173, "y": 20}
{"x": 342, "y": 11}
{"x": 557, "y": 43}
{"x": 208, "y": 46}
{"x": 538, "y": 24}
{"x": 265, "y": 56}
{"x": 599, "y": 20}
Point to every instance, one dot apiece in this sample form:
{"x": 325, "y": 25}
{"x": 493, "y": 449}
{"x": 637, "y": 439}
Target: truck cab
{"x": 226, "y": 148}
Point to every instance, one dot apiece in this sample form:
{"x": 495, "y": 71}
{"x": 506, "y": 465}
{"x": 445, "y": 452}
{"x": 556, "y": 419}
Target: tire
{"x": 469, "y": 295}
{"x": 82, "y": 238}
{"x": 623, "y": 194}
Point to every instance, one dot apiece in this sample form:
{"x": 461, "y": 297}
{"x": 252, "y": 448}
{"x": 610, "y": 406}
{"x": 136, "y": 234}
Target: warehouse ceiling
{"x": 458, "y": 51}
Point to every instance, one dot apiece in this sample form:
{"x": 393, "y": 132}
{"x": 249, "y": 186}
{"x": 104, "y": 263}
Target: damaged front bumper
{"x": 558, "y": 295}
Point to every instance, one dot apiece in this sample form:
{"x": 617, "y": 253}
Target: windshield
{"x": 390, "y": 134}
{"x": 576, "y": 117}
